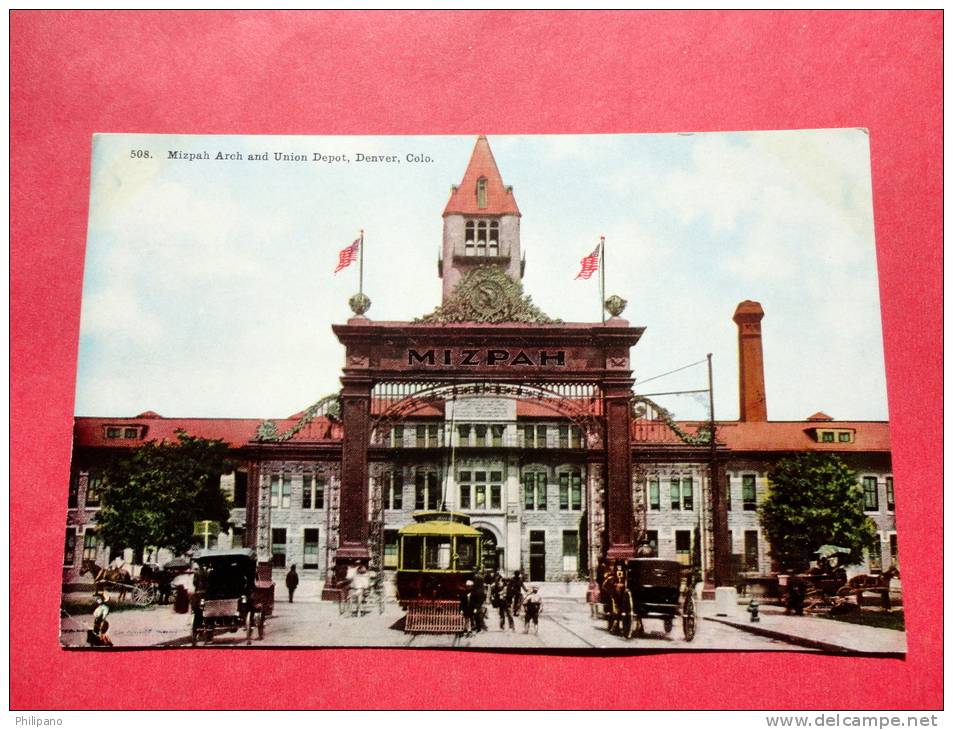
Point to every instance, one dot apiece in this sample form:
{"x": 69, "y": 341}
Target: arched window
{"x": 493, "y": 249}
{"x": 469, "y": 237}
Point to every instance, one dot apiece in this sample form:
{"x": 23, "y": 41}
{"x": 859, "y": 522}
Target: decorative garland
{"x": 702, "y": 437}
{"x": 329, "y": 406}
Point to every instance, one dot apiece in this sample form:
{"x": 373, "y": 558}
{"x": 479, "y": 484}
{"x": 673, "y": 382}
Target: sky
{"x": 209, "y": 288}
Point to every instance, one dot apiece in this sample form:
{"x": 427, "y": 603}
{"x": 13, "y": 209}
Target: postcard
{"x": 594, "y": 393}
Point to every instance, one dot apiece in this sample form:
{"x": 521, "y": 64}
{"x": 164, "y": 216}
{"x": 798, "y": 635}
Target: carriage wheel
{"x": 688, "y": 618}
{"x": 626, "y": 625}
{"x": 669, "y": 623}
{"x": 144, "y": 595}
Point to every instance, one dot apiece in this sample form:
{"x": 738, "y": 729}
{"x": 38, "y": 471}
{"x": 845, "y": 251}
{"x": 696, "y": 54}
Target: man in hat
{"x": 466, "y": 607}
{"x": 98, "y": 635}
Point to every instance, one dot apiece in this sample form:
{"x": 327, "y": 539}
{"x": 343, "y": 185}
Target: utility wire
{"x": 684, "y": 367}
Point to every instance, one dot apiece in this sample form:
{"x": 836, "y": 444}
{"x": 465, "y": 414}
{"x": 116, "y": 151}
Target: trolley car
{"x": 437, "y": 554}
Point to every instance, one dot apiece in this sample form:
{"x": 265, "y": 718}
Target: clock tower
{"x": 481, "y": 223}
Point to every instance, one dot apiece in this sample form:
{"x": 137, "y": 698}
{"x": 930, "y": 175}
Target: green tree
{"x": 153, "y": 496}
{"x": 814, "y": 500}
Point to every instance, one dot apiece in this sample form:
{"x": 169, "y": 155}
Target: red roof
{"x": 499, "y": 197}
{"x": 799, "y": 436}
{"x": 236, "y": 432}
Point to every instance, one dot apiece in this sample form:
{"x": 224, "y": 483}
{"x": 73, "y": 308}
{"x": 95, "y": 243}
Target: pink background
{"x": 74, "y": 74}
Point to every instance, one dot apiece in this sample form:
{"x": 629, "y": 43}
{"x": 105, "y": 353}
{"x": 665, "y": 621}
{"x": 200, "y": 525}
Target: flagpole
{"x": 360, "y": 283}
{"x": 602, "y": 278}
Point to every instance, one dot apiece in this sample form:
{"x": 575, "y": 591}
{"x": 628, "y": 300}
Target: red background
{"x": 74, "y": 74}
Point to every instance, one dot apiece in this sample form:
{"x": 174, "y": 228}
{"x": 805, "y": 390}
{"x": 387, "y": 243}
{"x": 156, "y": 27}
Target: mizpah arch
{"x": 486, "y": 340}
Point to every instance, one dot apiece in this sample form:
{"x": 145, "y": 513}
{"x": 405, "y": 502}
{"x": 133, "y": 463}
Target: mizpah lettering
{"x": 498, "y": 357}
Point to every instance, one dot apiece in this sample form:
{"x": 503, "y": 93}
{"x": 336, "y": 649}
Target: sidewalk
{"x": 813, "y": 632}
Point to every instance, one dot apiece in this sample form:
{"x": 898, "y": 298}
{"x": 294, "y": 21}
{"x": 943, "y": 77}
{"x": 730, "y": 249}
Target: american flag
{"x": 590, "y": 264}
{"x": 348, "y": 255}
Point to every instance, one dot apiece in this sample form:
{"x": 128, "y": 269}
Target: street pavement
{"x": 565, "y": 624}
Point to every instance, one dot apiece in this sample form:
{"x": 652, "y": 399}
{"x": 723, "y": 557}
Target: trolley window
{"x": 466, "y": 553}
{"x": 412, "y": 550}
{"x": 437, "y": 553}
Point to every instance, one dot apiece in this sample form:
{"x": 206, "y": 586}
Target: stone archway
{"x": 493, "y": 550}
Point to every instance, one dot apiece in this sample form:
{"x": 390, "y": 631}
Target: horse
{"x": 105, "y": 577}
{"x": 860, "y": 584}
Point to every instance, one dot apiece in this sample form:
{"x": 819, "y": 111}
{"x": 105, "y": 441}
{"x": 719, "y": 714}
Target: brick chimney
{"x": 753, "y": 405}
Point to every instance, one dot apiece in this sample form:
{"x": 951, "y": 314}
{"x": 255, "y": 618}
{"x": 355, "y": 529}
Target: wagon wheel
{"x": 688, "y": 618}
{"x": 261, "y": 625}
{"x": 143, "y": 595}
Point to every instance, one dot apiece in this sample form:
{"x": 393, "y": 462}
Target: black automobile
{"x": 226, "y": 599}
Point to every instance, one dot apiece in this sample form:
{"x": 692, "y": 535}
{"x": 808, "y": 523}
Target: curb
{"x": 787, "y": 638}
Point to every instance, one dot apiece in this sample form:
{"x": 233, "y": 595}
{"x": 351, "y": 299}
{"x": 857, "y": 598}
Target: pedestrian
{"x": 477, "y": 601}
{"x": 466, "y": 608}
{"x": 291, "y": 582}
{"x": 593, "y": 598}
{"x": 98, "y": 635}
{"x": 498, "y": 600}
{"x": 532, "y": 606}
{"x": 514, "y": 592}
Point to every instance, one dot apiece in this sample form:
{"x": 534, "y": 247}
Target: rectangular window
{"x": 306, "y": 492}
{"x": 496, "y": 500}
{"x": 728, "y": 492}
{"x": 480, "y": 432}
{"x": 318, "y": 493}
{"x": 433, "y": 491}
{"x": 427, "y": 493}
{"x": 890, "y": 505}
{"x": 130, "y": 433}
{"x": 575, "y": 436}
{"x": 311, "y": 540}
{"x": 275, "y": 490}
{"x": 497, "y": 432}
{"x": 676, "y": 494}
{"x": 874, "y": 555}
{"x": 751, "y": 550}
{"x": 69, "y": 548}
{"x": 285, "y": 491}
{"x": 652, "y": 537}
{"x": 73, "y": 498}
{"x": 395, "y": 490}
{"x": 570, "y": 551}
{"x": 844, "y": 437}
{"x": 479, "y": 500}
{"x": 432, "y": 431}
{"x": 749, "y": 493}
{"x": 464, "y": 432}
{"x": 564, "y": 491}
{"x": 390, "y": 548}
{"x": 113, "y": 432}
{"x": 90, "y": 545}
{"x": 827, "y": 436}
{"x": 529, "y": 437}
{"x": 421, "y": 436}
{"x": 893, "y": 550}
{"x": 465, "y": 490}
{"x": 397, "y": 437}
{"x": 570, "y": 491}
{"x": 688, "y": 502}
{"x": 279, "y": 543}
{"x": 541, "y": 437}
{"x": 654, "y": 501}
{"x": 420, "y": 491}
{"x": 564, "y": 437}
{"x": 534, "y": 491}
{"x": 93, "y": 484}
{"x": 683, "y": 546}
{"x": 871, "y": 502}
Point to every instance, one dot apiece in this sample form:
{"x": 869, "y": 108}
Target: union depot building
{"x": 486, "y": 406}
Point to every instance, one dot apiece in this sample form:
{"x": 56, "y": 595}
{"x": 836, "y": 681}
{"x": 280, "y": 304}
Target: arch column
{"x": 353, "y": 520}
{"x": 620, "y": 518}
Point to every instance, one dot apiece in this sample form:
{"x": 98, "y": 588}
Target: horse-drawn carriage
{"x": 227, "y": 597}
{"x": 644, "y": 588}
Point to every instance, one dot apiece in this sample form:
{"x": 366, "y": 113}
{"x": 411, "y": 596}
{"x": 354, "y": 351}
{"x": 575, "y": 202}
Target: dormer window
{"x": 834, "y": 435}
{"x": 124, "y": 432}
{"x": 481, "y": 192}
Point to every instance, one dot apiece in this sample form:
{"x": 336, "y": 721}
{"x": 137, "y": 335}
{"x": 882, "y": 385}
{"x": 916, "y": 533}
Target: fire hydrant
{"x": 753, "y": 610}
